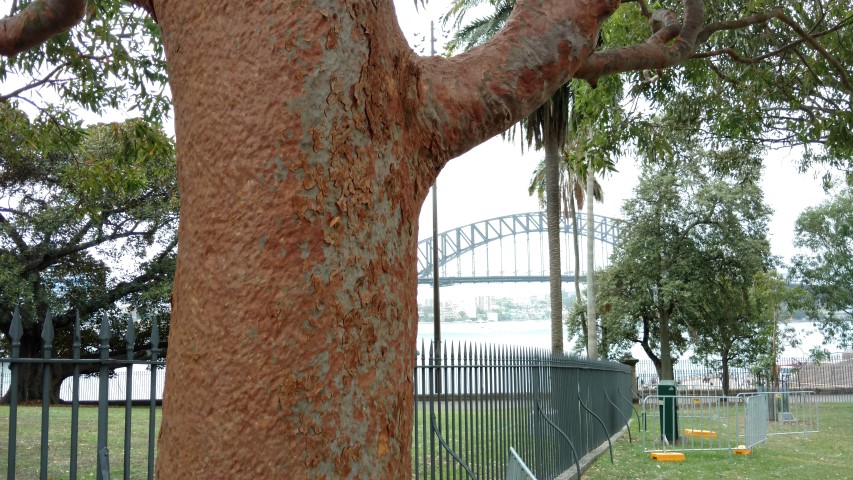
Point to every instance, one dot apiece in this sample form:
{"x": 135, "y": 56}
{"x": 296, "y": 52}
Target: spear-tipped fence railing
{"x": 100, "y": 389}
{"x": 493, "y": 398}
{"x": 490, "y": 398}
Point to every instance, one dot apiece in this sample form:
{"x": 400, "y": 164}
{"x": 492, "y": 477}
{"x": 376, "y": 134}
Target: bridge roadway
{"x": 446, "y": 281}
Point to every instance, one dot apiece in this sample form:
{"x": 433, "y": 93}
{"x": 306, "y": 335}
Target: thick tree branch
{"x": 38, "y": 22}
{"x": 471, "y": 97}
{"x": 48, "y": 259}
{"x": 14, "y": 235}
{"x": 656, "y": 53}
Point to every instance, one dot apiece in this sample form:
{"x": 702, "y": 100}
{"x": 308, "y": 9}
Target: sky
{"x": 492, "y": 179}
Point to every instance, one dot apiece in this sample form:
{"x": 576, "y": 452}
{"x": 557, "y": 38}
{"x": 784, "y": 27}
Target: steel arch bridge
{"x": 485, "y": 240}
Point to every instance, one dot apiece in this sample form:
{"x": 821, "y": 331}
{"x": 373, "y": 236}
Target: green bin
{"x": 668, "y": 411}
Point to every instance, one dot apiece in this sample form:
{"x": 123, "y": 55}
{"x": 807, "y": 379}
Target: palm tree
{"x": 545, "y": 128}
{"x": 578, "y": 122}
{"x": 573, "y": 193}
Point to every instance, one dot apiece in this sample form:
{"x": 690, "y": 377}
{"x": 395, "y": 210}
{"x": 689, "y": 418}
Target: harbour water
{"x": 537, "y": 334}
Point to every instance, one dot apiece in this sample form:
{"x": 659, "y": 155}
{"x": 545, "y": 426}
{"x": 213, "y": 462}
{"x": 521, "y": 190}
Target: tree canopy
{"x": 825, "y": 271}
{"x": 88, "y": 224}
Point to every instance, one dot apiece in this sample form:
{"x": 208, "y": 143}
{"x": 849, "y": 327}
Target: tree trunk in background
{"x": 725, "y": 365}
{"x": 573, "y": 211}
{"x": 552, "y": 141}
{"x": 592, "y": 322}
{"x": 308, "y": 135}
{"x": 666, "y": 371}
{"x": 29, "y": 374}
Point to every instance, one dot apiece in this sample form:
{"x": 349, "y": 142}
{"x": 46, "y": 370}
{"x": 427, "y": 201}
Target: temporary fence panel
{"x": 682, "y": 422}
{"x": 516, "y": 469}
{"x": 755, "y": 431}
{"x": 790, "y": 413}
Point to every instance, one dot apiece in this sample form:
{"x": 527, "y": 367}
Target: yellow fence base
{"x": 667, "y": 456}
{"x": 742, "y": 450}
{"x": 700, "y": 433}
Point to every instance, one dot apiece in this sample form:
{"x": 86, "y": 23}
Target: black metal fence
{"x": 474, "y": 402}
{"x": 73, "y": 463}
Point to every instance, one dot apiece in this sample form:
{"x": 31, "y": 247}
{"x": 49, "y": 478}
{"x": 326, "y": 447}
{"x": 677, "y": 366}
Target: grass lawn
{"x": 824, "y": 455}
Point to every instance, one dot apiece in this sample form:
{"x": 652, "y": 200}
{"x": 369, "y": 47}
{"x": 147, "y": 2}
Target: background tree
{"x": 692, "y": 239}
{"x": 307, "y": 137}
{"x": 826, "y": 271}
{"x": 773, "y": 299}
{"x": 88, "y": 224}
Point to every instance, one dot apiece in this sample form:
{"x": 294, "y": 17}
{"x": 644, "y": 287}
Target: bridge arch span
{"x": 457, "y": 242}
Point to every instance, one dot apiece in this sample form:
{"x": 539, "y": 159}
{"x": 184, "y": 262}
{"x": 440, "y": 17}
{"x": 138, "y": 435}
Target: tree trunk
{"x": 29, "y": 374}
{"x": 666, "y": 371}
{"x": 591, "y": 314}
{"x": 552, "y": 140}
{"x": 308, "y": 135}
{"x": 575, "y": 242}
{"x": 725, "y": 367}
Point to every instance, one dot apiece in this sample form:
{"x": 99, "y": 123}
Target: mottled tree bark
{"x": 308, "y": 135}
{"x": 37, "y": 22}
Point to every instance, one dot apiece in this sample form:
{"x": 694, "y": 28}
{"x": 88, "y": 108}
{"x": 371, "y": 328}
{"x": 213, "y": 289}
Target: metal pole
{"x": 436, "y": 310}
{"x": 103, "y": 469}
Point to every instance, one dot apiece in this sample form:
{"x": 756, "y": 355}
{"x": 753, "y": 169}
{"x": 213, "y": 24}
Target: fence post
{"x": 432, "y": 391}
{"x": 128, "y": 395}
{"x": 538, "y": 450}
{"x": 16, "y": 331}
{"x": 632, "y": 362}
{"x": 47, "y": 350}
{"x": 75, "y": 397}
{"x": 103, "y": 399}
{"x": 152, "y": 399}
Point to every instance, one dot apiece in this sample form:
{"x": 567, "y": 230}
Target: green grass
{"x": 59, "y": 444}
{"x": 824, "y": 455}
